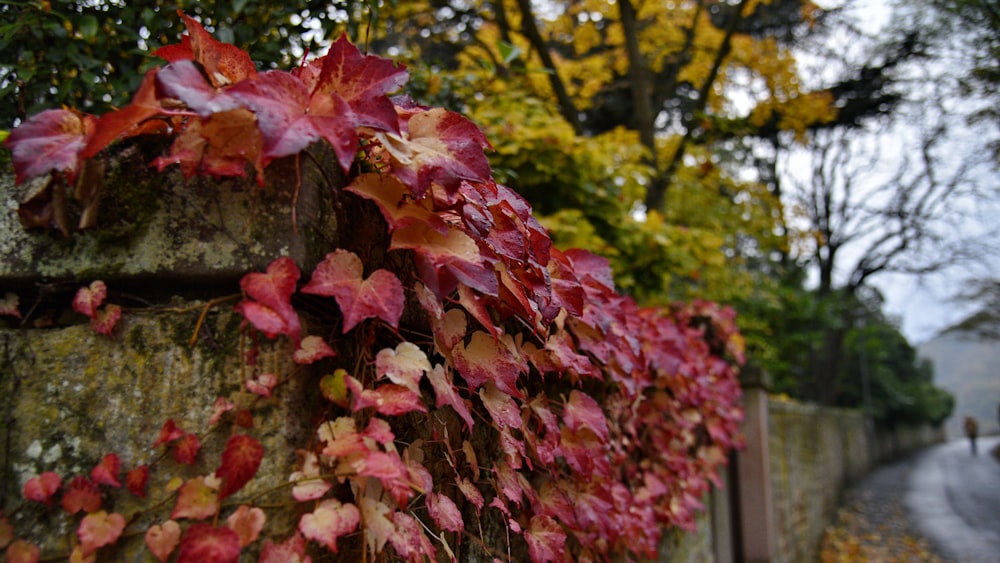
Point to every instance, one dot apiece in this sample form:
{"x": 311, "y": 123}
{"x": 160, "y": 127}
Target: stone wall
{"x": 170, "y": 251}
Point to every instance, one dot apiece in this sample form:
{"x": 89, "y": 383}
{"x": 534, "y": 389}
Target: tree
{"x": 82, "y": 54}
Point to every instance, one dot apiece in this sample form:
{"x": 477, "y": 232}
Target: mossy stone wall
{"x": 165, "y": 247}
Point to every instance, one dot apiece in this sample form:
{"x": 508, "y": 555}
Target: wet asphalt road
{"x": 953, "y": 498}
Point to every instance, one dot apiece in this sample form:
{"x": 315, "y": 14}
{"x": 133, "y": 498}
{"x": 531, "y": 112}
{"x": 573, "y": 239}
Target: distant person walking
{"x": 971, "y": 430}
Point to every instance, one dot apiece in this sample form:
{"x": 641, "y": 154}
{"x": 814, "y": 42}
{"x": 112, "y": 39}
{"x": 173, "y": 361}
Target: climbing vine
{"x": 462, "y": 324}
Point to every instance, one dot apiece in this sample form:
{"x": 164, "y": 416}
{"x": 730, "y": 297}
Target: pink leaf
{"x": 446, "y": 394}
{"x": 409, "y": 539}
{"x": 444, "y": 512}
{"x": 162, "y": 539}
{"x": 240, "y": 461}
{"x": 262, "y": 385}
{"x": 471, "y": 493}
{"x": 340, "y": 276}
{"x": 221, "y": 407}
{"x": 100, "y": 529}
{"x": 269, "y": 307}
{"x": 312, "y": 349}
{"x": 88, "y": 299}
{"x": 502, "y": 408}
{"x": 106, "y": 472}
{"x": 50, "y": 141}
{"x": 42, "y": 487}
{"x": 582, "y": 411}
{"x": 247, "y": 523}
{"x": 292, "y": 550}
{"x": 388, "y": 399}
{"x": 104, "y": 320}
{"x": 196, "y": 500}
{"x": 168, "y": 433}
{"x": 8, "y": 305}
{"x": 378, "y": 526}
{"x": 329, "y": 521}
{"x": 546, "y": 540}
{"x": 204, "y": 542}
{"x": 404, "y": 366}
{"x": 308, "y": 485}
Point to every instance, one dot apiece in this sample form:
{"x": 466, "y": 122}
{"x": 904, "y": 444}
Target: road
{"x": 953, "y": 498}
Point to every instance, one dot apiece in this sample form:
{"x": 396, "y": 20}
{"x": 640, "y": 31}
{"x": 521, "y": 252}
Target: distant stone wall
{"x": 815, "y": 453}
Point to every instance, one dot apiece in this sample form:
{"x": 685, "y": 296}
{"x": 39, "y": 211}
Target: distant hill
{"x": 970, "y": 370}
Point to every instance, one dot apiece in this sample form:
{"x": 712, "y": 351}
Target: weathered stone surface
{"x": 69, "y": 396}
{"x": 157, "y": 225}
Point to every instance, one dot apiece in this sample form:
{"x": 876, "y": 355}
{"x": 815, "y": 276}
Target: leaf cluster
{"x": 476, "y": 373}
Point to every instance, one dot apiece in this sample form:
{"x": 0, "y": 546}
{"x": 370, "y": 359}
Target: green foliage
{"x": 87, "y": 54}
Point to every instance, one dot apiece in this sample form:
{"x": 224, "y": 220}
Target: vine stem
{"x": 204, "y": 313}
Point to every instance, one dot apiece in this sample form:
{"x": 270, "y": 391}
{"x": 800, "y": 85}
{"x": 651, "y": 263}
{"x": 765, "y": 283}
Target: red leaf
{"x": 363, "y": 81}
{"x": 136, "y": 480}
{"x": 486, "y": 359}
{"x": 50, "y": 141}
{"x": 168, "y": 433}
{"x": 196, "y": 500}
{"x": 290, "y": 120}
{"x": 269, "y": 307}
{"x": 446, "y": 394}
{"x": 186, "y": 449}
{"x": 224, "y": 63}
{"x": 404, "y": 366}
{"x": 444, "y": 512}
{"x": 104, "y": 320}
{"x": 100, "y": 529}
{"x": 42, "y": 487}
{"x": 340, "y": 276}
{"x": 21, "y": 551}
{"x": 453, "y": 254}
{"x": 329, "y": 521}
{"x": 106, "y": 472}
{"x": 162, "y": 539}
{"x": 8, "y": 305}
{"x": 203, "y": 542}
{"x": 546, "y": 540}
{"x": 582, "y": 411}
{"x": 176, "y": 52}
{"x": 220, "y": 145}
{"x": 312, "y": 349}
{"x": 240, "y": 461}
{"x": 81, "y": 494}
{"x": 247, "y": 523}
{"x": 88, "y": 299}
{"x": 127, "y": 120}
{"x": 441, "y": 147}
